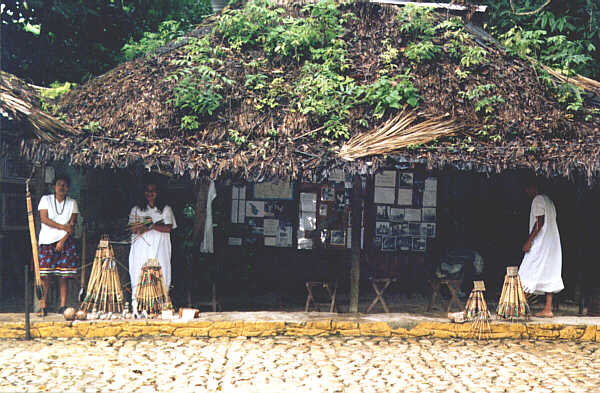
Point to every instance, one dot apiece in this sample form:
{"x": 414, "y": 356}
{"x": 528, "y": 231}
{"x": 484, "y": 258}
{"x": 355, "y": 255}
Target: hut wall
{"x": 486, "y": 214}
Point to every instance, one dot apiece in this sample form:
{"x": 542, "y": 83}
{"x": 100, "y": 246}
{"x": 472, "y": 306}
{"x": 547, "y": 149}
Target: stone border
{"x": 324, "y": 327}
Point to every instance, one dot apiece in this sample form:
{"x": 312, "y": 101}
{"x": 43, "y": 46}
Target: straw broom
{"x": 397, "y": 133}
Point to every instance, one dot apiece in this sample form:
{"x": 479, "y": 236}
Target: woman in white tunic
{"x": 151, "y": 241}
{"x": 540, "y": 271}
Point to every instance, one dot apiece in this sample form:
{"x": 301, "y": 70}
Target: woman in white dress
{"x": 540, "y": 271}
{"x": 151, "y": 241}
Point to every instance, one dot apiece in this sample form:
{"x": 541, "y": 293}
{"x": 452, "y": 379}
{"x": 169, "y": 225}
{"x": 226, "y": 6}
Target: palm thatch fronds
{"x": 20, "y": 101}
{"x": 580, "y": 81}
{"x": 399, "y": 132}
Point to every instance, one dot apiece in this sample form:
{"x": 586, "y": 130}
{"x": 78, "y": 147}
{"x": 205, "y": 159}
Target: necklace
{"x": 64, "y": 203}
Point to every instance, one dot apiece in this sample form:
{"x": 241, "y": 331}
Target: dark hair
{"x": 62, "y": 177}
{"x": 142, "y": 203}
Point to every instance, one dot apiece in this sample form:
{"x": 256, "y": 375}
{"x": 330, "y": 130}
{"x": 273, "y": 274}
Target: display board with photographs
{"x": 405, "y": 212}
{"x": 324, "y": 213}
{"x": 262, "y": 215}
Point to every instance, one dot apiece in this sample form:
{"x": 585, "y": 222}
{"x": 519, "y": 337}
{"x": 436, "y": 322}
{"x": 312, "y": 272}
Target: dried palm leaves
{"x": 21, "y": 100}
{"x": 401, "y": 131}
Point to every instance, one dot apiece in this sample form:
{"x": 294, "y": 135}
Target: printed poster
{"x": 385, "y": 195}
{"x": 405, "y": 196}
{"x": 386, "y": 179}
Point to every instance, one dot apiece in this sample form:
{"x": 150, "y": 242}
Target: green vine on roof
{"x": 326, "y": 90}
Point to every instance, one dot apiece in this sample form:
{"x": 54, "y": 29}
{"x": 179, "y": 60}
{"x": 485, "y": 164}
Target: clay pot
{"x": 81, "y": 315}
{"x": 69, "y": 313}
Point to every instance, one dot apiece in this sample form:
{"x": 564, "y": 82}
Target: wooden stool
{"x": 452, "y": 285}
{"x": 331, "y": 291}
{"x": 379, "y": 290}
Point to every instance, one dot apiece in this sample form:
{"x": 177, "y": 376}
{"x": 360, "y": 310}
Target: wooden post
{"x": 355, "y": 242}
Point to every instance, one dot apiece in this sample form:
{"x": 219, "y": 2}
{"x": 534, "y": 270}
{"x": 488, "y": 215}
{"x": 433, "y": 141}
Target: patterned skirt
{"x": 59, "y": 263}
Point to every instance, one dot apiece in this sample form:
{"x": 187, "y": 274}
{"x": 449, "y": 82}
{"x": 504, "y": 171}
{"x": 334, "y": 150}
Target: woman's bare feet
{"x": 544, "y": 314}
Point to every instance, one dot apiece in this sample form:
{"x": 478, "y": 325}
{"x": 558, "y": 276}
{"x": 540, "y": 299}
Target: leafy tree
{"x": 561, "y": 34}
{"x": 47, "y": 40}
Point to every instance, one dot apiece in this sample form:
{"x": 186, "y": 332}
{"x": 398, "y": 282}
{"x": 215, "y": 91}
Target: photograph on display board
{"x": 419, "y": 244}
{"x": 284, "y": 234}
{"x": 404, "y": 243}
{"x": 400, "y": 229}
{"x": 274, "y": 208}
{"x": 322, "y": 209}
{"x": 428, "y": 229}
{"x": 431, "y": 184}
{"x": 388, "y": 243}
{"x": 414, "y": 228}
{"x": 412, "y": 215}
{"x": 429, "y": 214}
{"x": 382, "y": 213}
{"x": 429, "y": 198}
{"x": 234, "y": 241}
{"x": 308, "y": 221}
{"x": 270, "y": 226}
{"x": 256, "y": 226}
{"x": 340, "y": 199}
{"x": 405, "y": 179}
{"x": 382, "y": 228}
{"x": 396, "y": 214}
{"x": 273, "y": 189}
{"x": 327, "y": 194}
{"x": 308, "y": 202}
{"x": 338, "y": 238}
{"x": 255, "y": 208}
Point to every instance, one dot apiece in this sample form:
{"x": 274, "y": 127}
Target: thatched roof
{"x": 128, "y": 117}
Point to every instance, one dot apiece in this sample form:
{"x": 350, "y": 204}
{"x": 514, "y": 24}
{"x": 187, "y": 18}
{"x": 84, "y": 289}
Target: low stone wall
{"x": 325, "y": 327}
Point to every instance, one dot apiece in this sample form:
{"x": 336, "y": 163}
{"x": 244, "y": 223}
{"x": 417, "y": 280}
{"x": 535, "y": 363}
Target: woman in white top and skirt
{"x": 540, "y": 270}
{"x": 58, "y": 254}
{"x": 150, "y": 241}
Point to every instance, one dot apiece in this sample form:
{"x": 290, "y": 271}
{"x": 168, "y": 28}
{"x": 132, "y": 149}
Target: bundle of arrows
{"x": 151, "y": 294}
{"x": 513, "y": 304}
{"x": 104, "y": 292}
{"x": 477, "y": 311}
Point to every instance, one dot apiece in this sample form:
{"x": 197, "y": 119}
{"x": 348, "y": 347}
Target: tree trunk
{"x": 355, "y": 242}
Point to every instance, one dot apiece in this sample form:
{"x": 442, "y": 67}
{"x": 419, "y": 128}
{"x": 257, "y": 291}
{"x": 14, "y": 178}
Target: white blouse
{"x": 60, "y": 213}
